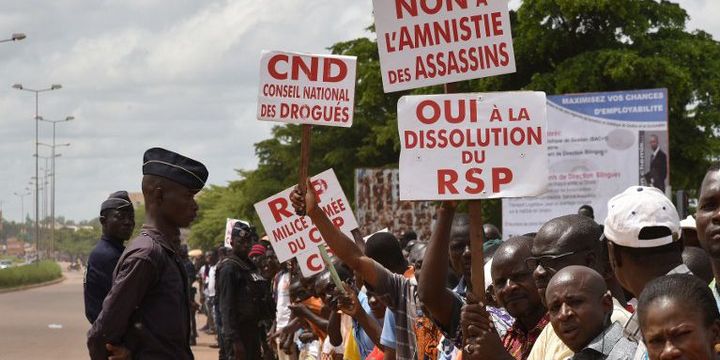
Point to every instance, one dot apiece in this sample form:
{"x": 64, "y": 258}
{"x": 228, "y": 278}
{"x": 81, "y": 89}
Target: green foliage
{"x": 43, "y": 271}
{"x": 14, "y": 229}
{"x": 77, "y": 243}
{"x": 561, "y": 46}
{"x": 216, "y": 205}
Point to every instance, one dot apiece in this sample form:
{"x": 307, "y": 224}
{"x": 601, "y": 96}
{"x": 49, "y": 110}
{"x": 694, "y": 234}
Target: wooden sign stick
{"x": 304, "y": 158}
{"x": 477, "y": 237}
{"x": 359, "y": 241}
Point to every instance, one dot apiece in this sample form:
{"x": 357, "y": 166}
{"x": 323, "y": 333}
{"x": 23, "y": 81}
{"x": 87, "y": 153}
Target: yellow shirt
{"x": 548, "y": 345}
{"x": 352, "y": 352}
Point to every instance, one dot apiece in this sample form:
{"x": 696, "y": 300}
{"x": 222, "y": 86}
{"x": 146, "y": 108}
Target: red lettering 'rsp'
{"x": 279, "y": 209}
{"x": 446, "y": 181}
{"x": 501, "y": 176}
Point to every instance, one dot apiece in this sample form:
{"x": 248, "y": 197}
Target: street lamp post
{"x": 52, "y": 186}
{"x": 45, "y": 186}
{"x": 14, "y": 37}
{"x": 22, "y": 196}
{"x": 37, "y": 165}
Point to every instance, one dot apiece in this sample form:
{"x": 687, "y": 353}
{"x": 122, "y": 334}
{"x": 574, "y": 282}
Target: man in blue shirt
{"x": 117, "y": 217}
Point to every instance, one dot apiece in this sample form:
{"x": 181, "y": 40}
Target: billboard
{"x": 598, "y": 145}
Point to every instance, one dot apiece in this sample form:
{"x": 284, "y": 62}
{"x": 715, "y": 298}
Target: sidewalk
{"x": 202, "y": 350}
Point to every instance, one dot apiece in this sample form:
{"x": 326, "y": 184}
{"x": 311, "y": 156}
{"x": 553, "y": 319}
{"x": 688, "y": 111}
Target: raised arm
{"x": 333, "y": 329}
{"x": 432, "y": 289}
{"x": 302, "y": 311}
{"x": 350, "y": 305}
{"x": 342, "y": 246}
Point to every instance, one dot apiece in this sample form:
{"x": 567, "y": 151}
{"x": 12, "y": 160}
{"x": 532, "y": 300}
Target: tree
{"x": 561, "y": 46}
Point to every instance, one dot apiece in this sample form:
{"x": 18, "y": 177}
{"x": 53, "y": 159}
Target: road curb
{"x": 33, "y": 286}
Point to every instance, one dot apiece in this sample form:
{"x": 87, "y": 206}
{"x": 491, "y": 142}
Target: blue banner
{"x": 628, "y": 106}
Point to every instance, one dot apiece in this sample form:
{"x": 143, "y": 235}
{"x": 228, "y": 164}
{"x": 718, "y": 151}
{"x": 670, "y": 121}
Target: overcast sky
{"x": 180, "y": 74}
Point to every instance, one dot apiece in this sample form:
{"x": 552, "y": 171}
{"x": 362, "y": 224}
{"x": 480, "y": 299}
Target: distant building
{"x": 77, "y": 227}
{"x": 15, "y": 247}
{"x": 137, "y": 199}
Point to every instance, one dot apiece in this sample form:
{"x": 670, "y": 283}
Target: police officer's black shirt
{"x": 98, "y": 275}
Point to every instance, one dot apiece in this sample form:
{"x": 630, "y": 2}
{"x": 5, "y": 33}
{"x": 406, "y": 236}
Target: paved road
{"x": 29, "y": 322}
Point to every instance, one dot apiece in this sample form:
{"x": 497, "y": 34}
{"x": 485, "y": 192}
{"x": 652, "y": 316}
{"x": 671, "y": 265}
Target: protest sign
{"x": 599, "y": 144}
{"x": 472, "y": 146}
{"x": 229, "y": 223}
{"x": 307, "y": 89}
{"x": 292, "y": 235}
{"x": 310, "y": 263}
{"x": 424, "y": 43}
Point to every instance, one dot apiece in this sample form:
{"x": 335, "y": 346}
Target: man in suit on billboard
{"x": 658, "y": 166}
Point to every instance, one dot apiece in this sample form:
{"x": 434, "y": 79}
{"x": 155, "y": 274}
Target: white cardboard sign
{"x": 472, "y": 146}
{"x": 423, "y": 43}
{"x": 307, "y": 89}
{"x": 311, "y": 263}
{"x": 292, "y": 235}
{"x": 229, "y": 223}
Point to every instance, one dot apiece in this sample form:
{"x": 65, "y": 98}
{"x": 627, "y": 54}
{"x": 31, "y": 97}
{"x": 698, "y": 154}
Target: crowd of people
{"x": 639, "y": 284}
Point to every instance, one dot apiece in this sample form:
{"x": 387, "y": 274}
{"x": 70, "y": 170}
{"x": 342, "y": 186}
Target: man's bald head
{"x": 579, "y": 305}
{"x": 567, "y": 233}
{"x": 491, "y": 232}
{"x": 563, "y": 241}
{"x": 582, "y": 277}
{"x": 514, "y": 249}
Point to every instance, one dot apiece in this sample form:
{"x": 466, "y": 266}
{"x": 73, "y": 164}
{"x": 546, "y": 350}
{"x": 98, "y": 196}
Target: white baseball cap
{"x": 636, "y": 208}
{"x": 688, "y": 223}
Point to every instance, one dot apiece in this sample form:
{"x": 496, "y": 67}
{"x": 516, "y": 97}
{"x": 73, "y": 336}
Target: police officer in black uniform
{"x": 244, "y": 297}
{"x": 117, "y": 217}
{"x": 146, "y": 314}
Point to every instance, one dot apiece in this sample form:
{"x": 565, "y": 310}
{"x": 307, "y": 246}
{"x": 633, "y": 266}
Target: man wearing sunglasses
{"x": 561, "y": 242}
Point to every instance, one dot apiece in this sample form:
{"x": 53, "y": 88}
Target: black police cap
{"x": 171, "y": 165}
{"x": 116, "y": 200}
{"x": 238, "y": 228}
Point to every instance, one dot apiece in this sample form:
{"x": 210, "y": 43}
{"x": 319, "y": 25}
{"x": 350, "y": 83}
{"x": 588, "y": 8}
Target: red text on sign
{"x": 431, "y": 7}
{"x": 279, "y": 208}
{"x": 333, "y": 70}
{"x": 314, "y": 263}
{"x": 448, "y": 178}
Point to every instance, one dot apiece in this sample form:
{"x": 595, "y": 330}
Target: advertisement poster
{"x": 599, "y": 144}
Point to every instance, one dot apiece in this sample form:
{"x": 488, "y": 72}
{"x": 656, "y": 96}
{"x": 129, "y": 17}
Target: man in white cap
{"x": 689, "y": 232}
{"x": 643, "y": 232}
